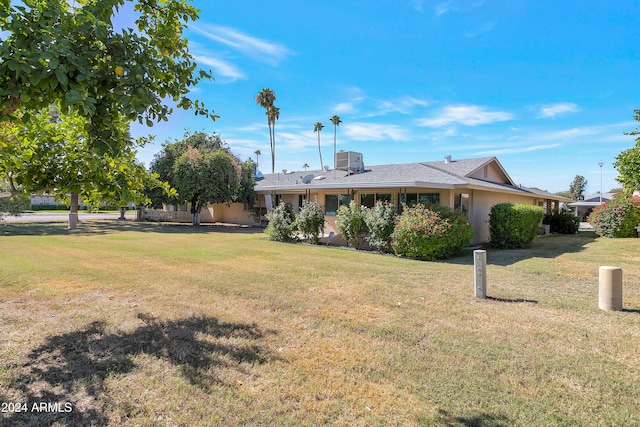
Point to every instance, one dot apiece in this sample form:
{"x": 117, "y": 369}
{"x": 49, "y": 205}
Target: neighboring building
{"x": 591, "y": 201}
{"x": 472, "y": 185}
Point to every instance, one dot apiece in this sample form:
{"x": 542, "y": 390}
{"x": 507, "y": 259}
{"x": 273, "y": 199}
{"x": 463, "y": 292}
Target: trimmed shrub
{"x": 514, "y": 226}
{"x": 618, "y": 217}
{"x": 282, "y": 223}
{"x": 563, "y": 223}
{"x": 430, "y": 233}
{"x": 381, "y": 222}
{"x": 310, "y": 220}
{"x": 351, "y": 223}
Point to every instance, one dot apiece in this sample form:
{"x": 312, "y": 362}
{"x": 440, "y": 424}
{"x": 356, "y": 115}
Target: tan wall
{"x": 234, "y": 214}
{"x": 481, "y": 204}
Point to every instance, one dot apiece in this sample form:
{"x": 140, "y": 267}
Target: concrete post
{"x": 610, "y": 292}
{"x": 480, "y": 276}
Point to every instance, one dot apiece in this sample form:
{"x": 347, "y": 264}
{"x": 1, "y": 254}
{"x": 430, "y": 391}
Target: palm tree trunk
{"x": 320, "y": 152}
{"x": 273, "y": 154}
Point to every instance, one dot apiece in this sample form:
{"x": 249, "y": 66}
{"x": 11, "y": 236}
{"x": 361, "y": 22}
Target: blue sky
{"x": 547, "y": 87}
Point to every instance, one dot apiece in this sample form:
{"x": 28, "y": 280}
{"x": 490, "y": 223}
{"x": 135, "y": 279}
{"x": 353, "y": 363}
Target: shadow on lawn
{"x": 479, "y": 420}
{"x": 542, "y": 247}
{"x": 97, "y": 227}
{"x": 72, "y": 368}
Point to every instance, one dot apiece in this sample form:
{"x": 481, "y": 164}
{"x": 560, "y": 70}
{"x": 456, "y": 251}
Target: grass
{"x": 156, "y": 325}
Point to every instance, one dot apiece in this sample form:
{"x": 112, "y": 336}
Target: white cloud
{"x": 516, "y": 150}
{"x": 403, "y": 105}
{"x": 343, "y": 108}
{"x": 255, "y": 48}
{"x": 374, "y": 132}
{"x": 222, "y": 68}
{"x": 442, "y": 8}
{"x": 468, "y": 115}
{"x": 555, "y": 109}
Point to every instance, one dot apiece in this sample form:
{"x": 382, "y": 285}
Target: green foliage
{"x": 618, "y": 217}
{"x": 381, "y": 221}
{"x": 514, "y": 226}
{"x": 562, "y": 222}
{"x": 50, "y": 152}
{"x": 282, "y": 223}
{"x": 310, "y": 220}
{"x": 13, "y": 205}
{"x": 70, "y": 53}
{"x": 628, "y": 163}
{"x": 206, "y": 177}
{"x": 431, "y": 232}
{"x": 577, "y": 187}
{"x": 352, "y": 223}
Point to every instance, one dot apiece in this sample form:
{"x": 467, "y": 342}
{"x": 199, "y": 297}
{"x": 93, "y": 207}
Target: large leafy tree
{"x": 70, "y": 53}
{"x": 318, "y": 128}
{"x": 265, "y": 99}
{"x": 51, "y": 152}
{"x": 203, "y": 170}
{"x": 628, "y": 163}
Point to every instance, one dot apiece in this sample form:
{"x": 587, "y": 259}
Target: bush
{"x": 430, "y": 233}
{"x": 381, "y": 221}
{"x": 310, "y": 221}
{"x": 617, "y": 217}
{"x": 351, "y": 223}
{"x": 563, "y": 223}
{"x": 514, "y": 226}
{"x": 282, "y": 223}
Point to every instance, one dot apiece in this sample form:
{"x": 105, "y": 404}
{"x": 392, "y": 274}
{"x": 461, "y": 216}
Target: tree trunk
{"x": 73, "y": 212}
{"x": 196, "y": 218}
{"x": 122, "y": 212}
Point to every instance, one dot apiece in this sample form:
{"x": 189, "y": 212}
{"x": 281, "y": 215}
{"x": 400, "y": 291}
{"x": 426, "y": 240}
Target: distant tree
{"x": 13, "y": 205}
{"x": 305, "y": 166}
{"x": 58, "y": 51}
{"x": 565, "y": 193}
{"x": 616, "y": 190}
{"x": 577, "y": 187}
{"x": 317, "y": 128}
{"x": 628, "y": 163}
{"x": 265, "y": 99}
{"x": 336, "y": 122}
{"x": 257, "y": 153}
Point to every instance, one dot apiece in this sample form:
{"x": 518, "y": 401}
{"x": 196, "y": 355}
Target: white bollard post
{"x": 610, "y": 292}
{"x": 480, "y": 276}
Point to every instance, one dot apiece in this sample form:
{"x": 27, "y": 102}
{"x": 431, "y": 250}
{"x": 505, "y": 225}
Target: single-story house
{"x": 472, "y": 185}
{"x": 591, "y": 201}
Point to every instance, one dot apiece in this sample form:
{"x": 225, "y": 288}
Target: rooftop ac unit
{"x": 349, "y": 161}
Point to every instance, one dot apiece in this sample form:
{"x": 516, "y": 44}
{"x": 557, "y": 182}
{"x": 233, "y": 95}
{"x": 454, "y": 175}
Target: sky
{"x": 547, "y": 87}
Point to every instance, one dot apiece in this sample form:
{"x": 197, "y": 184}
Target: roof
{"x": 442, "y": 174}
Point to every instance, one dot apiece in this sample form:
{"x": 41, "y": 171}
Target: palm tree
{"x": 317, "y": 128}
{"x": 305, "y": 166}
{"x": 265, "y": 99}
{"x": 257, "y": 153}
{"x": 273, "y": 114}
{"x": 336, "y": 122}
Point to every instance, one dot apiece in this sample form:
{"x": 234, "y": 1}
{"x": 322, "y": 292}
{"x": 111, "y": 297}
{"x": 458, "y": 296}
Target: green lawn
{"x": 159, "y": 325}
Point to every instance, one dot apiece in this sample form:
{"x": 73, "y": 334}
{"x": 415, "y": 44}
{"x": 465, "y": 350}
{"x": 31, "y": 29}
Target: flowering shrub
{"x": 310, "y": 220}
{"x": 429, "y": 233}
{"x": 617, "y": 217}
{"x": 514, "y": 226}
{"x": 381, "y": 221}
{"x": 351, "y": 223}
{"x": 281, "y": 226}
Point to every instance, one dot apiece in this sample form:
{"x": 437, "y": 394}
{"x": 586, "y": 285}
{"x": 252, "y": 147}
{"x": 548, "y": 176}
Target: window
{"x": 384, "y": 198}
{"x": 462, "y": 202}
{"x": 368, "y": 200}
{"x": 429, "y": 198}
{"x": 333, "y": 201}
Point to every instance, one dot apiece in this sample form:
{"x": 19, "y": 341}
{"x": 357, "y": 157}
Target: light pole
{"x": 600, "y": 163}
